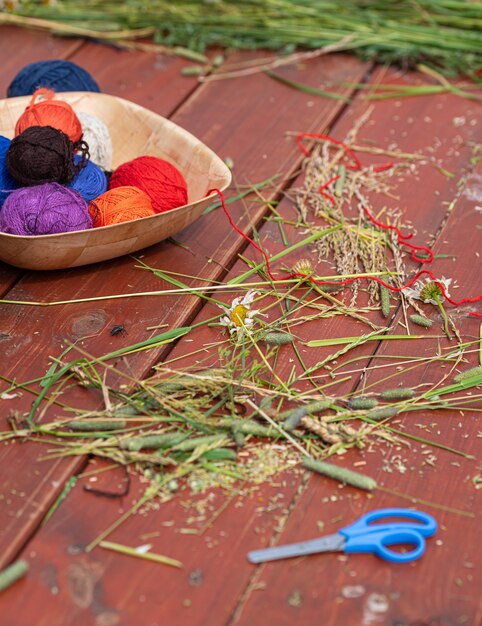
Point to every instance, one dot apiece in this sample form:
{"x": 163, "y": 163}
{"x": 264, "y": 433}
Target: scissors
{"x": 364, "y": 536}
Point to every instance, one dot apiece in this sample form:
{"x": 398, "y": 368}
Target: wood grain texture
{"x": 439, "y": 589}
{"x": 34, "y": 334}
{"x": 147, "y": 78}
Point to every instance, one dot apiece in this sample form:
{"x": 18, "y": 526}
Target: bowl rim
{"x": 225, "y": 172}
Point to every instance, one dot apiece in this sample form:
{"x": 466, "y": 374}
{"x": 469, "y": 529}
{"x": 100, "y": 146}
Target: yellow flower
{"x": 239, "y": 316}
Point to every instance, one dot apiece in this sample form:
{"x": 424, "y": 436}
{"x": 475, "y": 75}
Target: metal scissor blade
{"x": 330, "y": 543}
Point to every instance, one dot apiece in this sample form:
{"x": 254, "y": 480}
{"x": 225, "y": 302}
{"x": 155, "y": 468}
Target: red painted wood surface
{"x": 361, "y": 589}
{"x": 37, "y": 333}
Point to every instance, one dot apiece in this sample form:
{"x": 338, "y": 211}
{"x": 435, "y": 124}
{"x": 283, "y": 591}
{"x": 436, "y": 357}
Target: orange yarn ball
{"x": 50, "y": 112}
{"x": 121, "y": 204}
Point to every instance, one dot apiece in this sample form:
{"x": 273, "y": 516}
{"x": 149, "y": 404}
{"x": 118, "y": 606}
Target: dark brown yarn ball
{"x": 42, "y": 154}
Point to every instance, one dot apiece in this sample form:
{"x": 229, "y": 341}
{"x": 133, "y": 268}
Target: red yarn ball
{"x": 50, "y": 112}
{"x": 163, "y": 183}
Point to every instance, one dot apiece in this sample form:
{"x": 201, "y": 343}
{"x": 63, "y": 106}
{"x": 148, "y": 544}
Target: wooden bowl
{"x": 135, "y": 131}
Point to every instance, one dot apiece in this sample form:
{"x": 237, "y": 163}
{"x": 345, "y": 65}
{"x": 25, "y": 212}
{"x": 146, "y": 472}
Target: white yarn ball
{"x": 97, "y": 136}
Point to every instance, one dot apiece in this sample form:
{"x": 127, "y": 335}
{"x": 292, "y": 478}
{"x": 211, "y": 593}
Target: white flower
{"x": 239, "y": 317}
{"x": 430, "y": 291}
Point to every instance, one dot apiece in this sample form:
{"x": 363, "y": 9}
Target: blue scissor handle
{"x": 377, "y": 543}
{"x": 364, "y": 536}
{"x": 427, "y": 525}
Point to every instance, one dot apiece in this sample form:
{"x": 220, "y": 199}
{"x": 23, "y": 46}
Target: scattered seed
{"x": 346, "y": 476}
{"x": 362, "y": 403}
{"x": 402, "y": 393}
{"x": 420, "y": 320}
{"x": 12, "y": 573}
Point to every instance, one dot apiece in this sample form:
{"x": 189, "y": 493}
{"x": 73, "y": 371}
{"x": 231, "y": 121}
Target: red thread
{"x": 325, "y": 193}
{"x": 348, "y": 280}
{"x": 383, "y": 168}
{"x": 401, "y": 239}
{"x": 473, "y": 314}
{"x": 238, "y": 230}
{"x": 336, "y": 142}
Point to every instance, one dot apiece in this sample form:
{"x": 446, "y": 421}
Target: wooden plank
{"x": 43, "y": 331}
{"x": 28, "y": 46}
{"x": 364, "y": 589}
{"x": 225, "y": 571}
{"x": 444, "y": 586}
{"x": 148, "y": 78}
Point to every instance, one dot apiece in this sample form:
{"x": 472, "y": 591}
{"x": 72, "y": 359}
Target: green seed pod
{"x": 420, "y": 320}
{"x": 239, "y": 438}
{"x": 218, "y": 60}
{"x": 360, "y": 403}
{"x": 330, "y": 288}
{"x": 474, "y": 371}
{"x": 12, "y": 573}
{"x": 250, "y": 427}
{"x": 96, "y": 425}
{"x": 166, "y": 440}
{"x": 127, "y": 410}
{"x": 340, "y": 183}
{"x": 384, "y": 301}
{"x": 382, "y": 413}
{"x": 402, "y": 393}
{"x": 294, "y": 417}
{"x": 346, "y": 476}
{"x": 193, "y": 70}
{"x": 278, "y": 339}
{"x": 195, "y": 442}
{"x": 171, "y": 387}
{"x": 220, "y": 454}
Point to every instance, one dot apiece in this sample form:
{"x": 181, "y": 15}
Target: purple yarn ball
{"x": 44, "y": 210}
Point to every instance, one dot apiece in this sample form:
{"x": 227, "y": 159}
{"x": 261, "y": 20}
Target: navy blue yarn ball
{"x": 6, "y": 180}
{"x": 57, "y": 74}
{"x": 90, "y": 182}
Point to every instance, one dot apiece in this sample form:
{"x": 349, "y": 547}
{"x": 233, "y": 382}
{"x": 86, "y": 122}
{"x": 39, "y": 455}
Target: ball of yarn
{"x": 163, "y": 183}
{"x": 90, "y": 182}
{"x": 44, "y": 210}
{"x": 96, "y": 134}
{"x": 42, "y": 154}
{"x": 56, "y": 74}
{"x": 6, "y": 180}
{"x": 120, "y": 205}
{"x": 50, "y": 112}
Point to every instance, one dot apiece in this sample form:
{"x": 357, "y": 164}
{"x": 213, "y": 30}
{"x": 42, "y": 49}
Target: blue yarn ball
{"x": 6, "y": 180}
{"x": 90, "y": 182}
{"x": 58, "y": 75}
